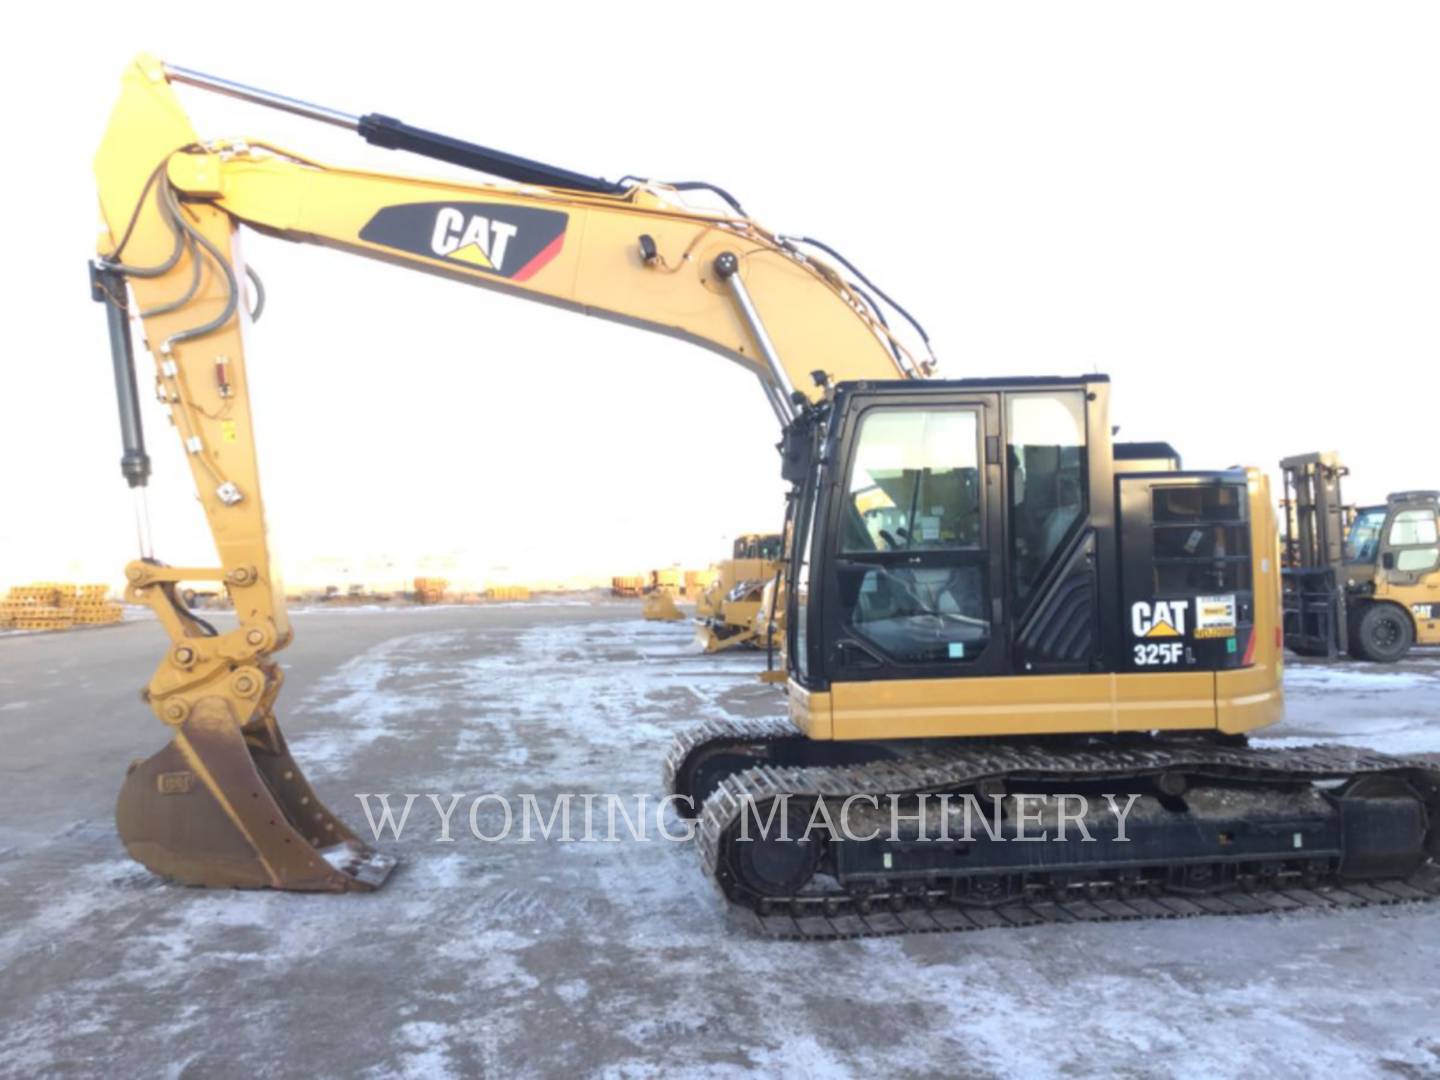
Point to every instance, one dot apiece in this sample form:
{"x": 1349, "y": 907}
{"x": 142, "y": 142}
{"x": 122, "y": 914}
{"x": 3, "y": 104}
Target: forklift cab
{"x": 1409, "y": 546}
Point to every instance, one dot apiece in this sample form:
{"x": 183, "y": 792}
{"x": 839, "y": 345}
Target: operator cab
{"x": 971, "y": 527}
{"x": 1402, "y": 537}
{"x": 767, "y": 546}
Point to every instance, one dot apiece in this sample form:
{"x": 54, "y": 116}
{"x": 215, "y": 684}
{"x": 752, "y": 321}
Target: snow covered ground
{"x": 615, "y": 959}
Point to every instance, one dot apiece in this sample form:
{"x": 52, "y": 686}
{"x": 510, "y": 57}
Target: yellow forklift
{"x": 1358, "y": 580}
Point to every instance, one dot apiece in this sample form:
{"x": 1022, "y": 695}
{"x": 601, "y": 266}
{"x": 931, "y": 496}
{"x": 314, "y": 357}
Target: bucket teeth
{"x": 215, "y": 808}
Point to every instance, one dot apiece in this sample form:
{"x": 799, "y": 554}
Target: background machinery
{"x": 986, "y": 598}
{"x": 627, "y": 586}
{"x": 697, "y": 581}
{"x": 729, "y": 612}
{"x": 659, "y": 605}
{"x": 1360, "y": 580}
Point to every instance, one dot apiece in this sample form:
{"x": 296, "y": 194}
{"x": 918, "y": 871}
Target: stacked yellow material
{"x": 627, "y": 585}
{"x": 507, "y": 592}
{"x": 35, "y": 607}
{"x": 430, "y": 590}
{"x": 49, "y": 605}
{"x": 93, "y": 609}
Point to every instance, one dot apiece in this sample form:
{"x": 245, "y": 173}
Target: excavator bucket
{"x": 225, "y": 806}
{"x": 660, "y": 606}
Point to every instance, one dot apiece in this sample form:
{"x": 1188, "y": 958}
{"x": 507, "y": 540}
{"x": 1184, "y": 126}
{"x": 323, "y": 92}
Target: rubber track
{"x": 734, "y": 732}
{"x": 834, "y": 915}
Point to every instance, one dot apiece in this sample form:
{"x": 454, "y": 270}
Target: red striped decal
{"x": 530, "y": 269}
{"x": 1249, "y": 658}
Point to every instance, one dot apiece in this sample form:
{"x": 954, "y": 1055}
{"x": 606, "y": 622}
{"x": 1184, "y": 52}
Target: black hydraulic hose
{"x": 880, "y": 316}
{"x": 161, "y": 268}
{"x": 701, "y": 185}
{"x": 189, "y": 293}
{"x": 693, "y": 185}
{"x": 259, "y": 308}
{"x": 870, "y": 284}
{"x": 179, "y": 598}
{"x": 232, "y": 287}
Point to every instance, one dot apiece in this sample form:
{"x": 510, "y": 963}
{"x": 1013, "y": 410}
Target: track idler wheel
{"x": 768, "y": 864}
{"x": 1384, "y": 825}
{"x": 226, "y": 807}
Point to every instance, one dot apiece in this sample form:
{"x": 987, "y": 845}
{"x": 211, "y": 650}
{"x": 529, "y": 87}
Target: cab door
{"x": 1410, "y": 564}
{"x": 914, "y": 570}
{"x": 1410, "y": 548}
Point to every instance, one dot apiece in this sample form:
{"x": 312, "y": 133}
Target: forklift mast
{"x": 1313, "y": 577}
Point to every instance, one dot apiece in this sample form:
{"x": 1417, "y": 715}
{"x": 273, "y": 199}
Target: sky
{"x": 1230, "y": 208}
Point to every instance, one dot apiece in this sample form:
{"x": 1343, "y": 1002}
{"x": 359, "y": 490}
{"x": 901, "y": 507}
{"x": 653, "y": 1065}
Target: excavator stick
{"x": 225, "y": 806}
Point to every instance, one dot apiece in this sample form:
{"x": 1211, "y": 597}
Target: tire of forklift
{"x": 1382, "y": 634}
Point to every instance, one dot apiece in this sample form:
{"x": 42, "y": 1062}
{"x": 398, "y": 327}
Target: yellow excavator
{"x": 987, "y": 599}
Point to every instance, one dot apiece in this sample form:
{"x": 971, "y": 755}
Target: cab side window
{"x": 1416, "y": 539}
{"x": 1045, "y": 438}
{"x": 1417, "y": 560}
{"x": 1413, "y": 527}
